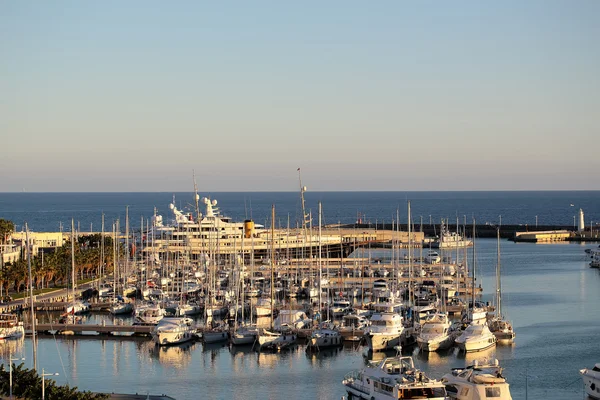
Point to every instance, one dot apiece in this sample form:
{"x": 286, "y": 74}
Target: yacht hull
{"x": 380, "y": 342}
{"x": 591, "y": 381}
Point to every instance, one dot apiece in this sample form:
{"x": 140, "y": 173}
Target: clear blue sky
{"x": 427, "y": 95}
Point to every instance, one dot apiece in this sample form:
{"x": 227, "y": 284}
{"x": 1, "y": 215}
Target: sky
{"x": 428, "y": 95}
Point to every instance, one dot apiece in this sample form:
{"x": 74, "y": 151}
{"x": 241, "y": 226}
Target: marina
{"x": 371, "y": 279}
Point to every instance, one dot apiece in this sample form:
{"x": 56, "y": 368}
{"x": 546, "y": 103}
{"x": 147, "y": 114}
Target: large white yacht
{"x": 173, "y": 331}
{"x": 591, "y": 381}
{"x": 435, "y": 333}
{"x": 477, "y": 382}
{"x": 200, "y": 233}
{"x": 475, "y": 338}
{"x": 392, "y": 378}
{"x": 385, "y": 331}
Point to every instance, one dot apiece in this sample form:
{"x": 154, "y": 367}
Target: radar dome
{"x": 197, "y": 196}
{"x": 214, "y": 202}
{"x": 205, "y": 200}
{"x": 171, "y": 206}
{"x": 304, "y": 188}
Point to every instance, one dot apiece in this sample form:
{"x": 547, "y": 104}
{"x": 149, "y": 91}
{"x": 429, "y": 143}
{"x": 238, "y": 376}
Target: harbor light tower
{"x": 581, "y": 225}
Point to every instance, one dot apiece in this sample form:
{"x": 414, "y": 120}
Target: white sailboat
{"x": 477, "y": 336}
{"x": 77, "y": 307}
{"x": 500, "y": 327}
{"x": 269, "y": 338}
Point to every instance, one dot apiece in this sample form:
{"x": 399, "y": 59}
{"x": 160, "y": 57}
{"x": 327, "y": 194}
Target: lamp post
{"x": 10, "y": 361}
{"x": 44, "y": 375}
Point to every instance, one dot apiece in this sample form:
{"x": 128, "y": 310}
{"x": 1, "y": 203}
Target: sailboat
{"x": 119, "y": 306}
{"x": 501, "y": 328}
{"x": 270, "y": 338}
{"x": 477, "y": 336}
{"x": 77, "y": 307}
{"x": 244, "y": 333}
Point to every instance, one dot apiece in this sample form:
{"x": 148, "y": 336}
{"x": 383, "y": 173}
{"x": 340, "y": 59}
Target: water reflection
{"x": 435, "y": 358}
{"x": 483, "y": 357}
{"x": 10, "y": 347}
{"x": 176, "y": 356}
{"x": 317, "y": 358}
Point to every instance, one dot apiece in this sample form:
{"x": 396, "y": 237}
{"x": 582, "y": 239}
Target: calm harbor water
{"x": 550, "y": 293}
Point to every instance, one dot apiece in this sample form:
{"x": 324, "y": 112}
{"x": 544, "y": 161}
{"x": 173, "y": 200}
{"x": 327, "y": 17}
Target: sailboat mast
{"x": 272, "y": 260}
{"x": 320, "y": 265}
{"x": 498, "y": 288}
{"x": 196, "y": 198}
{"x": 73, "y": 257}
{"x": 126, "y": 241}
{"x": 33, "y": 339}
{"x": 473, "y": 279}
{"x": 114, "y": 260}
{"x": 101, "y": 251}
{"x": 410, "y": 264}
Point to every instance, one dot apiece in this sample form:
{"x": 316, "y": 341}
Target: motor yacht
{"x": 10, "y": 327}
{"x": 435, "y": 333}
{"x": 326, "y": 335}
{"x": 275, "y": 340}
{"x": 148, "y": 314}
{"x": 293, "y": 319}
{"x": 173, "y": 331}
{"x": 476, "y": 337}
{"x": 340, "y": 307}
{"x": 477, "y": 382}
{"x": 385, "y": 331}
{"x": 392, "y": 378}
{"x": 591, "y": 381}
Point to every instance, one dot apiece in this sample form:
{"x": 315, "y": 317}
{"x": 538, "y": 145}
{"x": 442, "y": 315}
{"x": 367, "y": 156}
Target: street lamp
{"x": 44, "y": 375}
{"x": 10, "y": 362}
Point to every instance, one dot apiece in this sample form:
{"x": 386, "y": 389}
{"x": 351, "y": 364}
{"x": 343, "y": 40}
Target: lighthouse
{"x": 581, "y": 224}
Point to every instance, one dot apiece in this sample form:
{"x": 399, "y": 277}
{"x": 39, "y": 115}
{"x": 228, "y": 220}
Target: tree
{"x": 6, "y": 228}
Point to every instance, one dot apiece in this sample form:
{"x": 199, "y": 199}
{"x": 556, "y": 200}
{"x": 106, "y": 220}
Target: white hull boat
{"x": 477, "y": 382}
{"x": 392, "y": 378}
{"x": 10, "y": 327}
{"x": 173, "y": 331}
{"x": 385, "y": 331}
{"x": 476, "y": 338}
{"x": 325, "y": 336}
{"x": 591, "y": 381}
{"x": 275, "y": 340}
